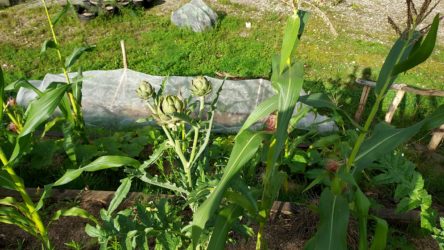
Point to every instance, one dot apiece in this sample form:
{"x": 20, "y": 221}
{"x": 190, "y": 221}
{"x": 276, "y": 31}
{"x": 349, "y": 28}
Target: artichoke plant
{"x": 200, "y": 86}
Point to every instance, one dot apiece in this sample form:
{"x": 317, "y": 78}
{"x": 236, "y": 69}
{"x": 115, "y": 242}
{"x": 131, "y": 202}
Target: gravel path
{"x": 366, "y": 15}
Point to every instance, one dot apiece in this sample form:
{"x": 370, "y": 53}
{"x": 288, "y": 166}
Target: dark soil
{"x": 285, "y": 231}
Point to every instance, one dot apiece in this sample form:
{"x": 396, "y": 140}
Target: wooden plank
{"x": 362, "y": 102}
{"x": 437, "y": 137}
{"x": 423, "y": 92}
{"x": 394, "y": 105}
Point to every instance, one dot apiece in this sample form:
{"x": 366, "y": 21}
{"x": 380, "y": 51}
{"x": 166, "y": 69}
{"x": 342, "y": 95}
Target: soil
{"x": 289, "y": 228}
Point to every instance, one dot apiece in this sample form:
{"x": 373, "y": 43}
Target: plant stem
{"x": 3, "y": 157}
{"x": 178, "y": 150}
{"x": 201, "y": 106}
{"x": 74, "y": 104}
{"x": 193, "y": 150}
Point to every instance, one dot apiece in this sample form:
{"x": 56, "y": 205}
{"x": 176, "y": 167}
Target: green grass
{"x": 157, "y": 47}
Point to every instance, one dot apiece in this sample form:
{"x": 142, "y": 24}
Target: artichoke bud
{"x": 200, "y": 86}
{"x": 167, "y": 107}
{"x": 145, "y": 91}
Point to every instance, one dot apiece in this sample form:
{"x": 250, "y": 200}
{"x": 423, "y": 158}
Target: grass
{"x": 157, "y": 47}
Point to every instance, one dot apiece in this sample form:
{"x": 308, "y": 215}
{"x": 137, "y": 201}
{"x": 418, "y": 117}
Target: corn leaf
{"x": 224, "y": 221}
{"x": 362, "y": 206}
{"x": 48, "y": 44}
{"x": 290, "y": 40}
{"x": 101, "y": 163}
{"x": 386, "y": 76}
{"x": 386, "y": 138}
{"x": 6, "y": 181}
{"x": 10, "y": 215}
{"x": 334, "y": 216}
{"x": 262, "y": 110}
{"x": 62, "y": 13}
{"x": 22, "y": 83}
{"x": 245, "y": 147}
{"x": 73, "y": 212}
{"x": 41, "y": 109}
{"x": 423, "y": 52}
{"x": 72, "y": 59}
{"x": 2, "y": 92}
{"x": 380, "y": 239}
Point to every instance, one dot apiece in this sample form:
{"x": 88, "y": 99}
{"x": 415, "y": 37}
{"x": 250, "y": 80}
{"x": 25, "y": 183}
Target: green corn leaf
{"x": 10, "y": 215}
{"x": 290, "y": 40}
{"x": 289, "y": 86}
{"x": 362, "y": 206}
{"x": 49, "y": 125}
{"x": 262, "y": 110}
{"x": 381, "y": 230}
{"x": 20, "y": 206}
{"x": 73, "y": 212}
{"x": 76, "y": 55}
{"x": 22, "y": 83}
{"x": 41, "y": 109}
{"x": 386, "y": 138}
{"x": 386, "y": 76}
{"x": 334, "y": 216}
{"x": 48, "y": 44}
{"x": 245, "y": 146}
{"x": 6, "y": 181}
{"x": 62, "y": 13}
{"x": 420, "y": 54}
{"x": 38, "y": 112}
{"x": 101, "y": 163}
{"x": 321, "y": 100}
{"x": 224, "y": 221}
{"x": 69, "y": 142}
{"x": 242, "y": 201}
{"x": 120, "y": 194}
{"x": 2, "y": 93}
{"x": 77, "y": 85}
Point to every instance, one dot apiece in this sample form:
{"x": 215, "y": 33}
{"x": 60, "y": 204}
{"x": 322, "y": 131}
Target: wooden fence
{"x": 400, "y": 89}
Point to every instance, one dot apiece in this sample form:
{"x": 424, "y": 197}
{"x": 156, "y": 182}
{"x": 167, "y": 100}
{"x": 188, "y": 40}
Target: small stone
{"x": 195, "y": 15}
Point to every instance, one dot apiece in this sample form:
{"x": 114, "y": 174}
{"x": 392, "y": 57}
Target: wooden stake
{"x": 395, "y": 103}
{"x": 125, "y": 62}
{"x": 436, "y": 138}
{"x": 362, "y": 102}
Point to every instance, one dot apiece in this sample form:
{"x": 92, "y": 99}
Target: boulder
{"x": 5, "y": 3}
{"x": 195, "y": 15}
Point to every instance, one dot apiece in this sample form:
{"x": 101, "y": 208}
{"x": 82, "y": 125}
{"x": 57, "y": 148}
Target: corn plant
{"x": 25, "y": 213}
{"x": 287, "y": 80}
{"x": 343, "y": 196}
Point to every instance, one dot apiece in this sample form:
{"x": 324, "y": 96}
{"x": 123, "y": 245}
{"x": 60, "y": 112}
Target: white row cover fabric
{"x": 110, "y": 100}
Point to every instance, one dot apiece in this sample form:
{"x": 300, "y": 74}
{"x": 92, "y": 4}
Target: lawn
{"x": 157, "y": 47}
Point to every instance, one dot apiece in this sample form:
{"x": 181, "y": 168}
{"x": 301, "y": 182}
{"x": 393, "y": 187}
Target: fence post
{"x": 394, "y": 105}
{"x": 436, "y": 138}
{"x": 362, "y": 102}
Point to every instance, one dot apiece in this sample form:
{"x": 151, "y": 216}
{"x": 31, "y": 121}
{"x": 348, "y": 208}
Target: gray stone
{"x": 195, "y": 15}
{"x": 5, "y": 3}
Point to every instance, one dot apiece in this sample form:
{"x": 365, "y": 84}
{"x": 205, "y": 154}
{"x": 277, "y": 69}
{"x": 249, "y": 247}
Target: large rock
{"x": 5, "y": 3}
{"x": 195, "y": 15}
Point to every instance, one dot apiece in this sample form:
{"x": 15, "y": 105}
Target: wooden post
{"x": 125, "y": 62}
{"x": 362, "y": 102}
{"x": 436, "y": 138}
{"x": 395, "y": 103}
